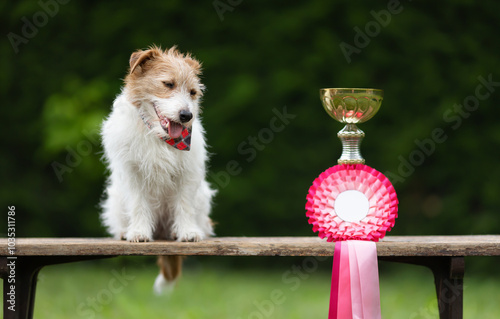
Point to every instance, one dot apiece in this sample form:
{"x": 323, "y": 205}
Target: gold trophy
{"x": 351, "y": 106}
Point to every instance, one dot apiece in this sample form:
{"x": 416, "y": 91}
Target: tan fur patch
{"x": 170, "y": 266}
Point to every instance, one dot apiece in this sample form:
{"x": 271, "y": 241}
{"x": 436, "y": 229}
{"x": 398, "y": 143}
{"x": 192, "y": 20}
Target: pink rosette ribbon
{"x": 382, "y": 199}
{"x": 355, "y": 292}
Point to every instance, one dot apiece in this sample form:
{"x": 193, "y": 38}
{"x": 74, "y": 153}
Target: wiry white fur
{"x": 163, "y": 287}
{"x": 154, "y": 191}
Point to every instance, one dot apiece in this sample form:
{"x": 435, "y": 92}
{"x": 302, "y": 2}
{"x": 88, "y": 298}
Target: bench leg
{"x": 448, "y": 278}
{"x": 449, "y": 281}
{"x": 24, "y": 270}
{"x": 19, "y": 286}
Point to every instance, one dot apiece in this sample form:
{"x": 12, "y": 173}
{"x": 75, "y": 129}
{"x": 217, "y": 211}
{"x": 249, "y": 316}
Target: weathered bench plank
{"x": 444, "y": 255}
{"x": 480, "y": 245}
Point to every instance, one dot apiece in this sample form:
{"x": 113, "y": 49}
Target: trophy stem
{"x": 351, "y": 137}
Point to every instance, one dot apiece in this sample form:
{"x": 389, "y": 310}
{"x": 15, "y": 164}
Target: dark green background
{"x": 258, "y": 57}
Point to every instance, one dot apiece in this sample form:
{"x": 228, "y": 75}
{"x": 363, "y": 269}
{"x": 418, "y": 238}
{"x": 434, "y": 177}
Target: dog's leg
{"x": 113, "y": 215}
{"x": 141, "y": 217}
{"x": 141, "y": 221}
{"x": 203, "y": 207}
{"x": 185, "y": 226}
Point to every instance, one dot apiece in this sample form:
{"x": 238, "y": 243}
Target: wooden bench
{"x": 444, "y": 255}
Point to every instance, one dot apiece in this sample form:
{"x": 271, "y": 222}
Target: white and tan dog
{"x": 157, "y": 187}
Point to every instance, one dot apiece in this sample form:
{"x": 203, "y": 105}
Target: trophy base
{"x": 350, "y": 162}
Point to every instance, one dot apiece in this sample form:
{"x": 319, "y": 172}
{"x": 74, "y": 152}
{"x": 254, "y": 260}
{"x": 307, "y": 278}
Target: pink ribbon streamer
{"x": 345, "y": 290}
{"x": 355, "y": 291}
{"x": 334, "y": 295}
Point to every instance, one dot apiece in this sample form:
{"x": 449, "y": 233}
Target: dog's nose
{"x": 185, "y": 116}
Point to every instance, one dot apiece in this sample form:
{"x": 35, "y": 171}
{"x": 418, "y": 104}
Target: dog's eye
{"x": 192, "y": 92}
{"x": 170, "y": 85}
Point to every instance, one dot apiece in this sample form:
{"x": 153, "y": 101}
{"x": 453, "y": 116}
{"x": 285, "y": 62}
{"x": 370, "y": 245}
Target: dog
{"x": 155, "y": 150}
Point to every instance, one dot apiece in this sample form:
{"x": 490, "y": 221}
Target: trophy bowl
{"x": 351, "y": 105}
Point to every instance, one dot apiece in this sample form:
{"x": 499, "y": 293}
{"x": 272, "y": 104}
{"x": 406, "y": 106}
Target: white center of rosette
{"x": 351, "y": 206}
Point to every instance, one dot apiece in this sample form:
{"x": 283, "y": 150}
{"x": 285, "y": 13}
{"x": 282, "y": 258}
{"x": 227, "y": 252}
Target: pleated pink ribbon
{"x": 383, "y": 203}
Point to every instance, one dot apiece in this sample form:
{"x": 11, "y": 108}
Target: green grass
{"x": 94, "y": 290}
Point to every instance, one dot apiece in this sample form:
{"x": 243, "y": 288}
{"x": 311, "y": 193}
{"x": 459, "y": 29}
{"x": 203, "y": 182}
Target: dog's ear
{"x": 138, "y": 58}
{"x": 195, "y": 64}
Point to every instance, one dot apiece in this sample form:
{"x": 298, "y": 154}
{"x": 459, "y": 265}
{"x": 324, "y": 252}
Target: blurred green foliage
{"x": 262, "y": 57}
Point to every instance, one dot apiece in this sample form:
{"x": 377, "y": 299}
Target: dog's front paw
{"x": 136, "y": 237}
{"x": 193, "y": 234}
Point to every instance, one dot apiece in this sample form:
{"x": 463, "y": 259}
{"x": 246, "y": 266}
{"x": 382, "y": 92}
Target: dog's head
{"x": 165, "y": 86}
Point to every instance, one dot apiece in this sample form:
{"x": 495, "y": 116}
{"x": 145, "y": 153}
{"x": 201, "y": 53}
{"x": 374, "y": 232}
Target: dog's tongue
{"x": 174, "y": 129}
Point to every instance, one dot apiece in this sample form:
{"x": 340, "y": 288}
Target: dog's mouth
{"x": 172, "y": 128}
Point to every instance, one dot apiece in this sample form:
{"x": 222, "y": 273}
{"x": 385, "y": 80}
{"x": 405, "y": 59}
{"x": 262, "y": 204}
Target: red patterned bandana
{"x": 183, "y": 142}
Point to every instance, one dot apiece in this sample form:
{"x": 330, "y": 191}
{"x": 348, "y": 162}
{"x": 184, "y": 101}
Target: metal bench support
{"x": 26, "y": 274}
